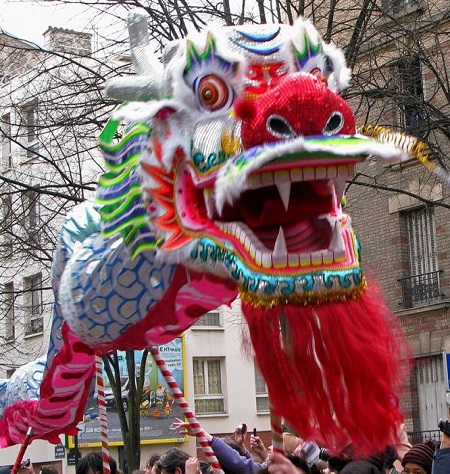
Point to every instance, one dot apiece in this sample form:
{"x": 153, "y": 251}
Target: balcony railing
{"x": 419, "y": 290}
{"x": 422, "y": 436}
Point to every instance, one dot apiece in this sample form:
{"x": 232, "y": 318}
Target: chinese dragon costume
{"x": 227, "y": 180}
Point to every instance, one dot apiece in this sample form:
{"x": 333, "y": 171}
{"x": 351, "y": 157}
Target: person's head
{"x": 232, "y": 444}
{"x": 362, "y": 466}
{"x": 300, "y": 464}
{"x": 390, "y": 456}
{"x": 48, "y": 470}
{"x": 173, "y": 461}
{"x": 150, "y": 464}
{"x": 291, "y": 443}
{"x": 419, "y": 459}
{"x": 336, "y": 464}
{"x": 92, "y": 463}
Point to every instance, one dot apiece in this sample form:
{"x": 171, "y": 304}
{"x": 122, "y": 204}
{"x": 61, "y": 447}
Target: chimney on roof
{"x": 65, "y": 41}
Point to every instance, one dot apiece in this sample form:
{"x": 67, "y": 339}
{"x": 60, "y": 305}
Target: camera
{"x": 324, "y": 454}
{"x": 242, "y": 428}
{"x": 444, "y": 426}
{"x": 310, "y": 452}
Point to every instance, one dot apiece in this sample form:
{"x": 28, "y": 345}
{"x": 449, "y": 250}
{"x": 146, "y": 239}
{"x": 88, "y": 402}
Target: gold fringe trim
{"x": 409, "y": 144}
{"x": 307, "y": 298}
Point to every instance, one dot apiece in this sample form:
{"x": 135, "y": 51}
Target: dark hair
{"x": 205, "y": 467}
{"x": 299, "y": 462}
{"x": 153, "y": 458}
{"x": 172, "y": 459}
{"x": 49, "y": 470}
{"x": 95, "y": 461}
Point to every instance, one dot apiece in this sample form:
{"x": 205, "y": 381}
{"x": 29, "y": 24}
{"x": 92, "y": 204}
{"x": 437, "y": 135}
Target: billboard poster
{"x": 157, "y": 410}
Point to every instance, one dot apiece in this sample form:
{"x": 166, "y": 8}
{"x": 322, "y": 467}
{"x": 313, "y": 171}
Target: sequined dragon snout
{"x": 299, "y": 105}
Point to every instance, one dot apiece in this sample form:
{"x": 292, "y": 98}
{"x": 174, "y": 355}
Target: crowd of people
{"x": 300, "y": 457}
{"x": 243, "y": 454}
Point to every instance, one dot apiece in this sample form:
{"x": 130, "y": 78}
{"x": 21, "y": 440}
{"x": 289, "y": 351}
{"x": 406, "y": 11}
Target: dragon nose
{"x": 279, "y": 127}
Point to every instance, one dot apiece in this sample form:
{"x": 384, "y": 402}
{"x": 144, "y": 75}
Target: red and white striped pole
{"x": 193, "y": 423}
{"x": 277, "y": 432}
{"x": 22, "y": 450}
{"x": 102, "y": 412}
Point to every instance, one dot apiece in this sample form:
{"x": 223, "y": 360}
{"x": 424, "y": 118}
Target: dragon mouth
{"x": 287, "y": 218}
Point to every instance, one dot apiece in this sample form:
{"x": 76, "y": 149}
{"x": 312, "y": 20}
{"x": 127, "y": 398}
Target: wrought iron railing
{"x": 418, "y": 290}
{"x": 422, "y": 436}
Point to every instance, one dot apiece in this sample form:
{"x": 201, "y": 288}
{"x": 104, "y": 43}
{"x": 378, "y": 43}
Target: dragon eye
{"x": 319, "y": 74}
{"x": 213, "y": 93}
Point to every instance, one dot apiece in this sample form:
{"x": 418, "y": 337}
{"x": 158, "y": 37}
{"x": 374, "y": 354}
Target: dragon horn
{"x": 147, "y": 83}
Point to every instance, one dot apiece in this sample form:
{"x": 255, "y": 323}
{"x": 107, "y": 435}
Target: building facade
{"x": 401, "y": 212}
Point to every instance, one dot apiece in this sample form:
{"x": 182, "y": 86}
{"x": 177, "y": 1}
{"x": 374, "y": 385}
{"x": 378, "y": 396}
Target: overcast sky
{"x": 29, "y": 19}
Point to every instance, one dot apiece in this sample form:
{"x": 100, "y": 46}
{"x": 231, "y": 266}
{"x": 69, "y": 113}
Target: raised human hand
{"x": 258, "y": 447}
{"x": 278, "y": 464}
{"x": 192, "y": 466}
{"x": 184, "y": 428}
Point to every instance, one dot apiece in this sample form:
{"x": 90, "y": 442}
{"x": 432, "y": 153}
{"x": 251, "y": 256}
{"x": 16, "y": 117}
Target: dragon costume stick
{"x": 22, "y": 451}
{"x": 102, "y": 412}
{"x": 193, "y": 423}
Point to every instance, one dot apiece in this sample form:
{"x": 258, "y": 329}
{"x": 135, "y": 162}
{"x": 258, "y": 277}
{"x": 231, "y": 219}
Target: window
{"x": 209, "y": 320}
{"x": 8, "y": 291}
{"x": 411, "y": 94}
{"x": 262, "y": 397}
{"x": 32, "y": 287}
{"x": 30, "y": 200}
{"x": 431, "y": 386}
{"x": 6, "y": 141}
{"x": 395, "y": 7}
{"x": 422, "y": 286}
{"x": 7, "y": 227}
{"x": 30, "y": 122}
{"x": 208, "y": 386}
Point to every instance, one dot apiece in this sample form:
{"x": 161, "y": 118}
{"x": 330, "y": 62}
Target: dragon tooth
{"x": 316, "y": 258}
{"x": 266, "y": 179}
{"x": 283, "y": 184}
{"x": 305, "y": 260}
{"x": 254, "y": 181}
{"x": 296, "y": 175}
{"x": 337, "y": 244}
{"x": 309, "y": 174}
{"x": 321, "y": 172}
{"x": 280, "y": 248}
{"x": 343, "y": 171}
{"x": 331, "y": 172}
{"x": 339, "y": 187}
{"x": 266, "y": 260}
{"x": 258, "y": 257}
{"x": 209, "y": 202}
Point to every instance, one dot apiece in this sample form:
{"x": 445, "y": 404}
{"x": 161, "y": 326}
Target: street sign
{"x": 60, "y": 451}
{"x": 71, "y": 457}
